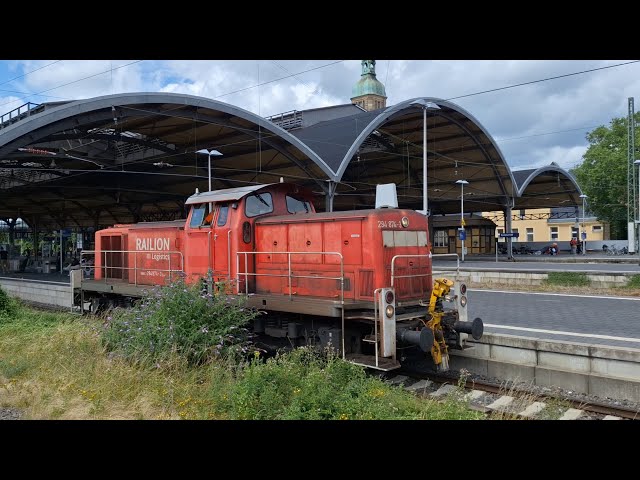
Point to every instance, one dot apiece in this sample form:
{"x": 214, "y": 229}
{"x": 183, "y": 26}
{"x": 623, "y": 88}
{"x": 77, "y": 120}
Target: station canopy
{"x": 133, "y": 157}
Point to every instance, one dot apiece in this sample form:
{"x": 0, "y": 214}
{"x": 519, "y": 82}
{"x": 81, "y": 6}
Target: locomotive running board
{"x": 369, "y": 361}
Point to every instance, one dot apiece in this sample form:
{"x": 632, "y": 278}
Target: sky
{"x": 539, "y": 120}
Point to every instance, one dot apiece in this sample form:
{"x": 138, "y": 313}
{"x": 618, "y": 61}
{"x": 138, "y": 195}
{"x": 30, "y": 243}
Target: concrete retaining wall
{"x": 590, "y": 369}
{"x": 47, "y": 293}
{"x": 604, "y": 280}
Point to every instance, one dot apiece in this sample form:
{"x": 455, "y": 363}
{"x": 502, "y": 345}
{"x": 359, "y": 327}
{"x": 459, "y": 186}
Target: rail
{"x": 135, "y": 268}
{"x": 17, "y": 114}
{"x": 290, "y": 276}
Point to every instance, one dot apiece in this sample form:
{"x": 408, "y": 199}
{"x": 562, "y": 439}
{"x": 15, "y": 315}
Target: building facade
{"x": 550, "y": 225}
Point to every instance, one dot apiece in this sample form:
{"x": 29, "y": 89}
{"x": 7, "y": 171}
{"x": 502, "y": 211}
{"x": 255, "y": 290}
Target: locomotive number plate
{"x": 388, "y": 224}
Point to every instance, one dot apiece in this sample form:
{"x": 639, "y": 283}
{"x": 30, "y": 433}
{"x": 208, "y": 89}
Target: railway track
{"x": 510, "y": 402}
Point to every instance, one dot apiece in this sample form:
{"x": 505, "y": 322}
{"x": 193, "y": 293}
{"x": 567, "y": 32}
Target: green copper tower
{"x": 369, "y": 92}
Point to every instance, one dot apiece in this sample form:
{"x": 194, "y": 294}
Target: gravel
{"x": 10, "y": 414}
{"x": 559, "y": 393}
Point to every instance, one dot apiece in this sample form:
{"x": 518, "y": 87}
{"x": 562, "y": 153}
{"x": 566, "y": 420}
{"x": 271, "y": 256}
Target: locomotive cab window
{"x": 294, "y": 205}
{"x": 199, "y": 215}
{"x": 258, "y": 204}
{"x": 222, "y": 215}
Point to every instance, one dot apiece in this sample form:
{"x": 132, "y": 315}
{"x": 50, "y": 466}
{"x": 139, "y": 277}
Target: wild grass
{"x": 634, "y": 282}
{"x": 55, "y": 366}
{"x": 567, "y": 279}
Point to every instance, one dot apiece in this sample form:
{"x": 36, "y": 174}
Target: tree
{"x": 602, "y": 175}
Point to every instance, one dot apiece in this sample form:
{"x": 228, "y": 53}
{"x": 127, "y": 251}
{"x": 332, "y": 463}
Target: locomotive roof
{"x": 166, "y": 223}
{"x": 224, "y": 195}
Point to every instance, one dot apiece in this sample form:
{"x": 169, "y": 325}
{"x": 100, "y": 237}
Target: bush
{"x": 303, "y": 385}
{"x": 8, "y": 305}
{"x": 180, "y": 319}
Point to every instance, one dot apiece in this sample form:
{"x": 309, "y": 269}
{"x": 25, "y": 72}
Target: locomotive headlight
{"x": 463, "y": 301}
{"x": 389, "y": 297}
{"x": 463, "y": 289}
{"x": 389, "y": 311}
{"x": 405, "y": 222}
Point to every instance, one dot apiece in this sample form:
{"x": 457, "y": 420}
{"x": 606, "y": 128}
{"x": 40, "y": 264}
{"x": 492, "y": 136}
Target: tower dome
{"x": 369, "y": 92}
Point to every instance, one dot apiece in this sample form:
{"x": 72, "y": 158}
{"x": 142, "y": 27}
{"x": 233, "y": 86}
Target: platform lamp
{"x": 637, "y": 220}
{"x": 462, "y": 183}
{"x": 584, "y": 233}
{"x": 209, "y": 153}
{"x": 425, "y": 105}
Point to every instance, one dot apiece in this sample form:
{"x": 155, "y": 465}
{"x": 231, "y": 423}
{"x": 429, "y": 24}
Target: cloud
{"x": 533, "y": 124}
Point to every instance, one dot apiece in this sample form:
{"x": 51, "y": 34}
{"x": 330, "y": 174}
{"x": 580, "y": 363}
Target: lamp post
{"x": 462, "y": 232}
{"x": 213, "y": 152}
{"x": 425, "y": 106}
{"x": 637, "y": 220}
{"x": 583, "y": 236}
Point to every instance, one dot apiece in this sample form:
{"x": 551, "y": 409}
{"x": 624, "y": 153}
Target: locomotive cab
{"x": 221, "y": 223}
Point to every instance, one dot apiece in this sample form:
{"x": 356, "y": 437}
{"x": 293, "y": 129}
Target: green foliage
{"x": 634, "y": 282}
{"x": 567, "y": 279}
{"x": 303, "y": 385}
{"x": 182, "y": 319}
{"x": 602, "y": 175}
{"x": 8, "y": 306}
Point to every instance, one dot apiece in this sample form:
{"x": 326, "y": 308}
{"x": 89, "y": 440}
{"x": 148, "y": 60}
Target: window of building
{"x": 515, "y": 230}
{"x": 498, "y": 232}
{"x": 575, "y": 232}
{"x": 529, "y": 234}
{"x": 440, "y": 238}
{"x": 596, "y": 228}
{"x": 554, "y": 233}
{"x": 258, "y": 204}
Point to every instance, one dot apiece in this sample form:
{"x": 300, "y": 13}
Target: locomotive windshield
{"x": 294, "y": 205}
{"x": 258, "y": 204}
{"x": 199, "y": 212}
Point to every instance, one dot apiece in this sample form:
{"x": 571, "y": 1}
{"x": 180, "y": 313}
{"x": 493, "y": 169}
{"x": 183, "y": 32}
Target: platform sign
{"x": 509, "y": 235}
{"x": 584, "y": 235}
{"x": 462, "y": 234}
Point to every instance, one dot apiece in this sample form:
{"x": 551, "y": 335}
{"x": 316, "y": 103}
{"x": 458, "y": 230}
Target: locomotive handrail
{"x": 290, "y": 275}
{"x": 430, "y": 255}
{"x": 135, "y": 261}
{"x": 449, "y": 255}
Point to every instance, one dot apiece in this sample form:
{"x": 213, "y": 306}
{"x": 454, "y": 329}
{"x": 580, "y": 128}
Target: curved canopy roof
{"x": 386, "y": 146}
{"x": 131, "y": 157}
{"x": 548, "y": 186}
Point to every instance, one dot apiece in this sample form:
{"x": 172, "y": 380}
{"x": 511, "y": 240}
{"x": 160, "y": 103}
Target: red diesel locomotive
{"x": 358, "y": 280}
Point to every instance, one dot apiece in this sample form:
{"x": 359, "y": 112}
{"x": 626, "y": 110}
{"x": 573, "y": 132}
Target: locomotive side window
{"x": 258, "y": 204}
{"x": 199, "y": 214}
{"x": 222, "y": 216}
{"x": 294, "y": 205}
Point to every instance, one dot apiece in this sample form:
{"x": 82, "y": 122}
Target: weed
{"x": 180, "y": 319}
{"x": 571, "y": 279}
